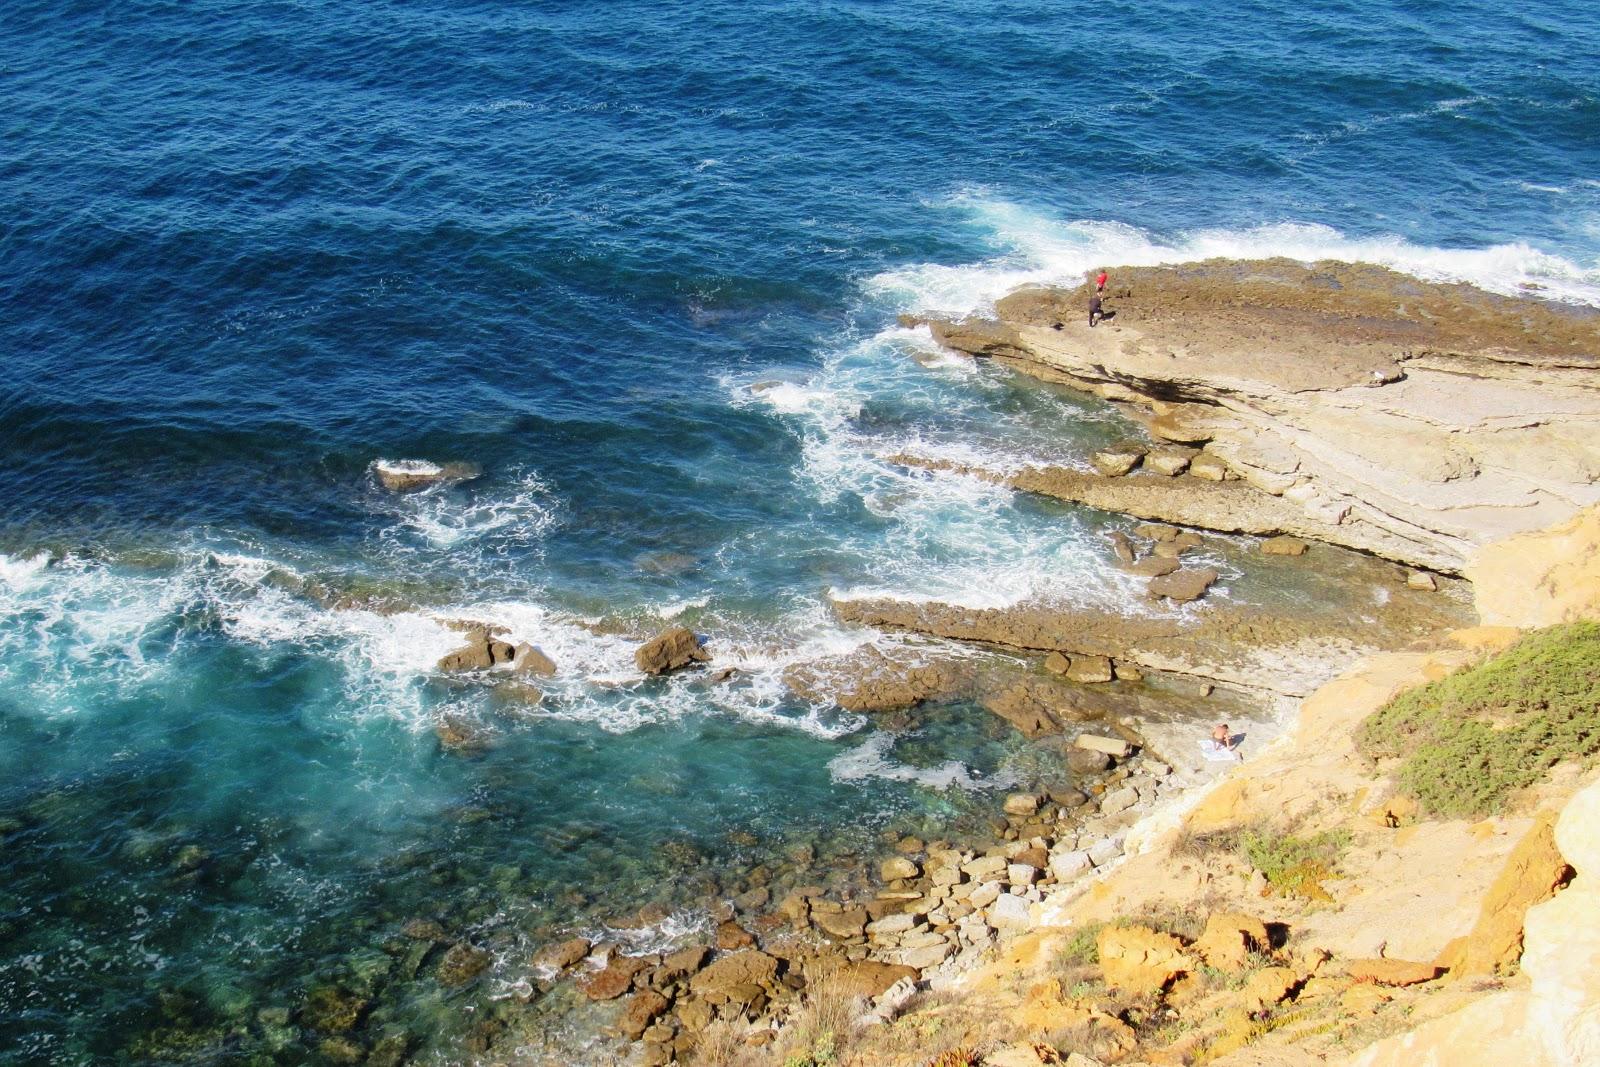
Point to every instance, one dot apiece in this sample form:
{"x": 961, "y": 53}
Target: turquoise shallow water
{"x": 248, "y": 251}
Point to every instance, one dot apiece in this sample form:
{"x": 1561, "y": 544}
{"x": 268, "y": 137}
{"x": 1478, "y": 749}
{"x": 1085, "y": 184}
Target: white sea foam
{"x": 445, "y": 516}
{"x": 20, "y": 573}
{"x": 1038, "y": 248}
{"x": 407, "y": 466}
{"x": 871, "y": 759}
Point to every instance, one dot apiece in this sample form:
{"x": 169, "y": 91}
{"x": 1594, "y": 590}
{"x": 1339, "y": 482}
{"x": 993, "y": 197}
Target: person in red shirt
{"x": 1100, "y": 283}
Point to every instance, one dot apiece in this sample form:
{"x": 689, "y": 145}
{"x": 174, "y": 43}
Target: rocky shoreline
{"x": 1309, "y": 410}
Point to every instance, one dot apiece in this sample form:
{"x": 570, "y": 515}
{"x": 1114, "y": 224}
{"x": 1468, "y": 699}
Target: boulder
{"x": 403, "y": 475}
{"x": 927, "y": 956}
{"x": 526, "y": 659}
{"x": 482, "y": 651}
{"x": 1422, "y": 580}
{"x": 1057, "y": 663}
{"x": 1154, "y": 566}
{"x": 1089, "y": 669}
{"x": 1009, "y": 913}
{"x": 1139, "y": 960}
{"x": 731, "y": 936}
{"x": 555, "y": 958}
{"x": 1022, "y": 804}
{"x": 615, "y": 979}
{"x": 1169, "y": 460}
{"x": 1119, "y": 800}
{"x": 1208, "y": 467}
{"x": 1189, "y": 583}
{"x": 849, "y": 923}
{"x": 1117, "y": 460}
{"x": 860, "y": 978}
{"x": 669, "y": 651}
{"x": 642, "y": 1009}
{"x": 1083, "y": 761}
{"x": 750, "y": 967}
{"x": 1283, "y": 545}
{"x": 1067, "y": 865}
{"x": 898, "y": 867}
{"x": 1111, "y": 746}
{"x": 1121, "y": 546}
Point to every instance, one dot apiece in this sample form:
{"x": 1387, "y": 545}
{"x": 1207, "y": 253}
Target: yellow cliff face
{"x": 1542, "y": 578}
{"x": 1555, "y": 1022}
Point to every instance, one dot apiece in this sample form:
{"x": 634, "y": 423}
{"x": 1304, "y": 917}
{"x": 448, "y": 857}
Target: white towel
{"x": 1218, "y": 753}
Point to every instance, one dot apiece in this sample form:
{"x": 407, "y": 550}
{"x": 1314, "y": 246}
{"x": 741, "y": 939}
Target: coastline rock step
{"x": 670, "y": 650}
{"x": 1115, "y": 747}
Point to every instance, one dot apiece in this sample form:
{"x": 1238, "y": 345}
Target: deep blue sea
{"x": 249, "y": 250}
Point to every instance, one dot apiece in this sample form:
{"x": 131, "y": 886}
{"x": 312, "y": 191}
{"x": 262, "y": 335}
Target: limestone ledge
{"x": 1413, "y": 420}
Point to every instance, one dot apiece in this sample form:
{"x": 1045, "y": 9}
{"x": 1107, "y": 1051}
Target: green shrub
{"x": 1294, "y": 866}
{"x": 1083, "y": 948}
{"x": 1471, "y": 740}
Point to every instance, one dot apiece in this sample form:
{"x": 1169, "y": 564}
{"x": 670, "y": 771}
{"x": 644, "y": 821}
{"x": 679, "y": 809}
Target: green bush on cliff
{"x": 1471, "y": 740}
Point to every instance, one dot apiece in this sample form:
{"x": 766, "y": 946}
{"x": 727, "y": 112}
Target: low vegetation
{"x": 1470, "y": 741}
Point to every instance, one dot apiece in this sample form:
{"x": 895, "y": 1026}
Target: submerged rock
{"x": 871, "y": 680}
{"x": 1184, "y": 585}
{"x": 461, "y": 963}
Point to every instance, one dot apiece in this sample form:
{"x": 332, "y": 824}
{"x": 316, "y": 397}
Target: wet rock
{"x": 679, "y": 965}
{"x": 390, "y": 1050}
{"x": 553, "y": 959}
{"x": 1121, "y": 546}
{"x": 1154, "y": 566}
{"x": 669, "y": 651}
{"x": 870, "y": 680}
{"x": 1155, "y": 531}
{"x": 615, "y": 979}
{"x": 482, "y": 651}
{"x": 1126, "y": 672}
{"x": 459, "y": 734}
{"x": 403, "y": 475}
{"x": 1184, "y": 585}
{"x": 461, "y": 963}
{"x": 1085, "y": 762}
{"x": 341, "y": 1050}
{"x": 1283, "y": 546}
{"x": 526, "y": 659}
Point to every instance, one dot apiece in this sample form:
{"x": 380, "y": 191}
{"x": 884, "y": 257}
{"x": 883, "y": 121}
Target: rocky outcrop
{"x": 1413, "y": 420}
{"x": 402, "y": 475}
{"x": 872, "y": 680}
{"x": 670, "y": 650}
